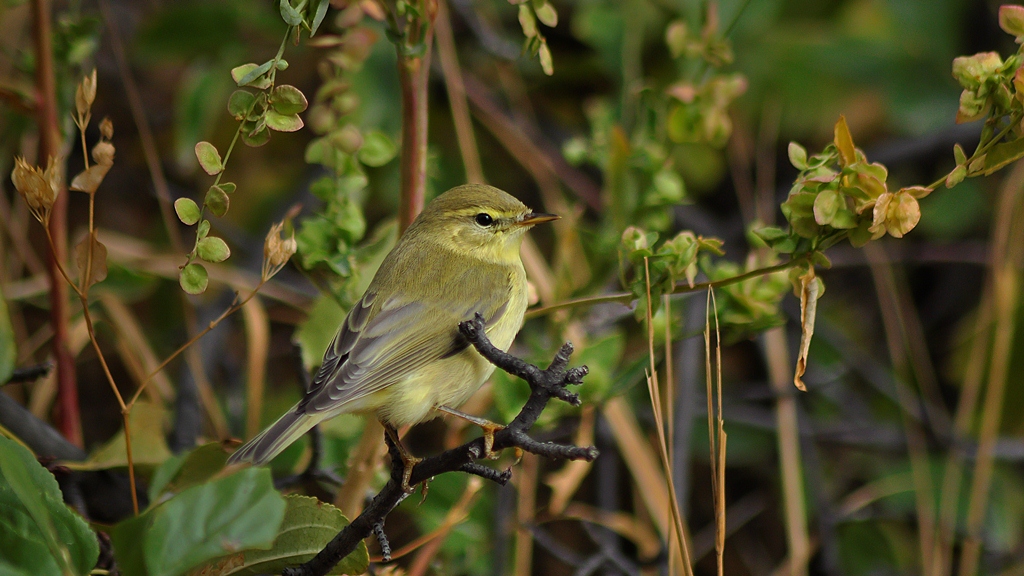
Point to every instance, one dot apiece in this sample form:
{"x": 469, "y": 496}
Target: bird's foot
{"x": 489, "y": 428}
{"x": 408, "y": 460}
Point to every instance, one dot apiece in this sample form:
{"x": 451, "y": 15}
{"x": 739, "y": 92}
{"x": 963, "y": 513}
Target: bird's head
{"x": 478, "y": 220}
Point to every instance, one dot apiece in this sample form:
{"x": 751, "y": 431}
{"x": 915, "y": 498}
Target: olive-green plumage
{"x": 398, "y": 353}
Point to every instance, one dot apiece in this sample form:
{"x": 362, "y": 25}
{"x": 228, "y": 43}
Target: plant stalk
{"x": 67, "y": 412}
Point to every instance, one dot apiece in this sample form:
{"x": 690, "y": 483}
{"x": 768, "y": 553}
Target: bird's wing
{"x": 373, "y": 351}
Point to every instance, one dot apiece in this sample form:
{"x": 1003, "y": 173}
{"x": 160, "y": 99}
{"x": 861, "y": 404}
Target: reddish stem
{"x": 413, "y": 73}
{"x": 67, "y": 413}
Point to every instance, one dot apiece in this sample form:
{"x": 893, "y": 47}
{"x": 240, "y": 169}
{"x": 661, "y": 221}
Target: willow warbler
{"x": 399, "y": 353}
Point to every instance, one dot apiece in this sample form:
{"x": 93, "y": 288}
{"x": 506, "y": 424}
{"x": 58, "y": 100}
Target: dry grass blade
{"x": 257, "y": 340}
{"x": 135, "y": 346}
{"x": 790, "y": 460}
{"x": 526, "y": 506}
{"x": 457, "y": 513}
{"x": 895, "y": 336}
{"x": 678, "y": 530}
{"x": 623, "y": 524}
{"x": 716, "y": 428}
{"x": 566, "y": 481}
{"x": 1007, "y": 258}
{"x": 363, "y": 464}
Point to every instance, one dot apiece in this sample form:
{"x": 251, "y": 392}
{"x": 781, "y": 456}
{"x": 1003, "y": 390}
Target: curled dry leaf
{"x": 97, "y": 268}
{"x": 810, "y": 290}
{"x": 89, "y": 180}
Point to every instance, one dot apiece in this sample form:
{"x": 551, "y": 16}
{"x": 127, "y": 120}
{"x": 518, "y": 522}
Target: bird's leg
{"x": 488, "y": 427}
{"x": 408, "y": 460}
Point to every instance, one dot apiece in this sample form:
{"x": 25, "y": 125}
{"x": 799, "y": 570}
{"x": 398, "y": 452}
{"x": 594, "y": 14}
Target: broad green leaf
{"x": 217, "y": 201}
{"x": 797, "y": 156}
{"x": 256, "y": 139}
{"x": 148, "y": 423}
{"x": 247, "y": 74}
{"x": 187, "y": 211}
{"x": 194, "y": 278}
{"x": 8, "y": 347}
{"x": 377, "y": 149}
{"x": 307, "y": 527}
{"x": 1002, "y": 154}
{"x": 38, "y": 533}
{"x": 827, "y": 203}
{"x": 527, "y": 21}
{"x": 288, "y": 100}
{"x": 546, "y": 14}
{"x": 547, "y": 64}
{"x": 209, "y": 158}
{"x": 240, "y": 103}
{"x": 213, "y": 249}
{"x": 289, "y": 14}
{"x": 227, "y": 187}
{"x": 1011, "y": 20}
{"x": 315, "y": 333}
{"x": 283, "y": 122}
{"x": 238, "y": 512}
{"x": 182, "y": 472}
{"x": 203, "y": 230}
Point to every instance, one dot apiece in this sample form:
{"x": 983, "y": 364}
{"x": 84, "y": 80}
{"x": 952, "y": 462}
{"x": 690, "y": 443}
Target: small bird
{"x": 399, "y": 353}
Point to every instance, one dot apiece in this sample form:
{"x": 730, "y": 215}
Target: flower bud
{"x": 103, "y": 153}
{"x": 277, "y": 250}
{"x": 38, "y": 188}
{"x": 85, "y": 94}
{"x": 107, "y": 128}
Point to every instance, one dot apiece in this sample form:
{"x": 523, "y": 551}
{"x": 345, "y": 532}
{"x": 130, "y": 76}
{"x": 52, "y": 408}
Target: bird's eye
{"x": 484, "y": 219}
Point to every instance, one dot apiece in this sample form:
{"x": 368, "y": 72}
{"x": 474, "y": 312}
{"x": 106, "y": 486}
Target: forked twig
{"x": 544, "y": 385}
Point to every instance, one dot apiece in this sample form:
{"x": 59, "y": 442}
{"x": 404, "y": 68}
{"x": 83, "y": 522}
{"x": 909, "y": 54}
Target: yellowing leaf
{"x": 844, "y": 143}
{"x": 810, "y": 290}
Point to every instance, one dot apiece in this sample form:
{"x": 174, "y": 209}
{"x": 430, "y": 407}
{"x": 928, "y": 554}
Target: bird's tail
{"x": 275, "y": 438}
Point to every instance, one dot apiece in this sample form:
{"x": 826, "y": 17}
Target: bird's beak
{"x": 537, "y": 218}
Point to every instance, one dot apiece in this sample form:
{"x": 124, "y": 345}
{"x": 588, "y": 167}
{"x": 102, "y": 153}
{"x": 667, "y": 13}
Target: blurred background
{"x": 661, "y": 114}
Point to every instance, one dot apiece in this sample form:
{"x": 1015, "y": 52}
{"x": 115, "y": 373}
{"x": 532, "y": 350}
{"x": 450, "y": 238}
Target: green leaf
{"x": 213, "y": 249}
{"x": 203, "y": 229}
{"x": 287, "y": 100}
{"x": 187, "y": 211}
{"x": 318, "y": 17}
{"x": 797, "y": 156}
{"x": 209, "y": 158}
{"x": 194, "y": 278}
{"x": 307, "y": 527}
{"x": 240, "y": 103}
{"x": 217, "y": 201}
{"x": 8, "y": 348}
{"x": 247, "y": 74}
{"x": 38, "y": 533}
{"x": 669, "y": 187}
{"x": 149, "y": 445}
{"x": 527, "y": 21}
{"x": 546, "y": 14}
{"x": 227, "y": 187}
{"x": 547, "y": 64}
{"x": 283, "y": 122}
{"x": 826, "y": 204}
{"x": 256, "y": 139}
{"x": 377, "y": 149}
{"x": 181, "y": 472}
{"x": 1002, "y": 154}
{"x": 1011, "y": 20}
{"x": 239, "y": 512}
{"x": 289, "y": 14}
